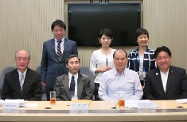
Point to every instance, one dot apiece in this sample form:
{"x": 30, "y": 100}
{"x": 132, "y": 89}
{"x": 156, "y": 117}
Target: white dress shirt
{"x": 114, "y": 83}
{"x": 98, "y": 60}
{"x": 76, "y": 78}
{"x": 20, "y": 78}
{"x": 164, "y": 77}
{"x": 61, "y": 45}
{"x": 141, "y": 67}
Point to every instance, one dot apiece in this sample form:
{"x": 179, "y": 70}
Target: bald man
{"x": 120, "y": 80}
{"x": 23, "y": 82}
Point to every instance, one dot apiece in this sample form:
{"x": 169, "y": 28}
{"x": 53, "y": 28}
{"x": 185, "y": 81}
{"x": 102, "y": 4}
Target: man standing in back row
{"x": 55, "y": 52}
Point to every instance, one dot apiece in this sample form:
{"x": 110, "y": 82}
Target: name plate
{"x": 78, "y": 106}
{"x": 146, "y": 105}
{"x": 10, "y": 105}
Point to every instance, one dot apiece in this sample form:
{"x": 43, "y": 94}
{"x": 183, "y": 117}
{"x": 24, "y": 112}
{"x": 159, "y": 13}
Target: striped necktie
{"x": 59, "y": 53}
{"x": 21, "y": 80}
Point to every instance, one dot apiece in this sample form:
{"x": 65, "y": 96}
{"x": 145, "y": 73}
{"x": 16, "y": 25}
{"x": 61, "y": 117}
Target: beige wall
{"x": 25, "y": 24}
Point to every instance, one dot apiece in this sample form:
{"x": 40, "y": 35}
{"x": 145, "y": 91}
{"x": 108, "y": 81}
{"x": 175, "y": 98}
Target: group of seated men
{"x": 165, "y": 82}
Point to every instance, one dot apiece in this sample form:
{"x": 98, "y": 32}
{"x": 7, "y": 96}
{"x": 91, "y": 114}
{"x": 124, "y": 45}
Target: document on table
{"x": 140, "y": 104}
{"x": 182, "y": 101}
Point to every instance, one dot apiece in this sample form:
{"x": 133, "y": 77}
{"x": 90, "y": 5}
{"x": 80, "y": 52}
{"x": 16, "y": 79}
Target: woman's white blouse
{"x": 98, "y": 60}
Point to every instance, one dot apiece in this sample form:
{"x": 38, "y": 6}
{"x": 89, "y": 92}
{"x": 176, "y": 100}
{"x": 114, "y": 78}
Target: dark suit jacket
{"x": 51, "y": 67}
{"x": 32, "y": 87}
{"x": 63, "y": 91}
{"x": 176, "y": 87}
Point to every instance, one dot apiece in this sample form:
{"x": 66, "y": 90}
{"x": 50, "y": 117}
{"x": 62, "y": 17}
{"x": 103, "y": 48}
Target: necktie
{"x": 59, "y": 53}
{"x": 72, "y": 86}
{"x": 21, "y": 80}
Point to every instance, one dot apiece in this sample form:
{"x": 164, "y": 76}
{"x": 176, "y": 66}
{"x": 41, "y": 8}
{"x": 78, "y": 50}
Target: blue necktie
{"x": 72, "y": 86}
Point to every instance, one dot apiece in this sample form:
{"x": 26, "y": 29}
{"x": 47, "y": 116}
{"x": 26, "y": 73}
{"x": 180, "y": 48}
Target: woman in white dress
{"x": 102, "y": 59}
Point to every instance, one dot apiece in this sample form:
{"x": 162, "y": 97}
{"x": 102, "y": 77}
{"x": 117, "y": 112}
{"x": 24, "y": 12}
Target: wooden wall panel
{"x": 25, "y": 24}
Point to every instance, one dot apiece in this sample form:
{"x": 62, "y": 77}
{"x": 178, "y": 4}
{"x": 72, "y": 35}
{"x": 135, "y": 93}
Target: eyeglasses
{"x": 22, "y": 59}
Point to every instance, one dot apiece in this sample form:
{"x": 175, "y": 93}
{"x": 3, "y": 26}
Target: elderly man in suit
{"x": 55, "y": 51}
{"x": 23, "y": 82}
{"x": 166, "y": 82}
{"x": 73, "y": 84}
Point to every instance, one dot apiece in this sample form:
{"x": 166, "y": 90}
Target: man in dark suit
{"x": 23, "y": 82}
{"x": 166, "y": 82}
{"x": 73, "y": 84}
{"x": 55, "y": 51}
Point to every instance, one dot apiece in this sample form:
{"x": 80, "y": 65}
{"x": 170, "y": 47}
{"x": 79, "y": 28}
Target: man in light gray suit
{"x": 73, "y": 84}
{"x": 55, "y": 51}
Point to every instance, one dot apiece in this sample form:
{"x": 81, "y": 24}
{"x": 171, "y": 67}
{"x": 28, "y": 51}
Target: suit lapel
{"x": 79, "y": 86}
{"x": 53, "y": 49}
{"x": 170, "y": 78}
{"x": 27, "y": 81}
{"x": 16, "y": 81}
{"x": 159, "y": 81}
{"x": 66, "y": 46}
{"x": 66, "y": 86}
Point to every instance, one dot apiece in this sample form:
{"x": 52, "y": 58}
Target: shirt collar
{"x": 70, "y": 75}
{"x": 138, "y": 48}
{"x": 116, "y": 72}
{"x": 164, "y": 73}
{"x": 58, "y": 40}
{"x": 22, "y": 73}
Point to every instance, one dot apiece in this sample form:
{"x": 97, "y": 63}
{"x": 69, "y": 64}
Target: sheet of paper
{"x": 131, "y": 103}
{"x": 182, "y": 101}
{"x": 14, "y": 100}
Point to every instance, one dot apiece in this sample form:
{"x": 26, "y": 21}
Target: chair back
{"x": 86, "y": 71}
{"x": 44, "y": 98}
{"x": 6, "y": 70}
{"x": 38, "y": 68}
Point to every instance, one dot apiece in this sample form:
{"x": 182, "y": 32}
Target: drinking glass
{"x": 52, "y": 97}
{"x": 121, "y": 98}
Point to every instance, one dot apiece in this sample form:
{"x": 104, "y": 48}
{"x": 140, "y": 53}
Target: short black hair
{"x": 106, "y": 32}
{"x": 58, "y": 23}
{"x": 141, "y": 31}
{"x": 71, "y": 56}
{"x": 120, "y": 50}
{"x": 162, "y": 49}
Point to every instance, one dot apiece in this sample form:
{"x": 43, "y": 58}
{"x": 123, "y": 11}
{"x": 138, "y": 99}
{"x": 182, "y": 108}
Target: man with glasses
{"x": 23, "y": 82}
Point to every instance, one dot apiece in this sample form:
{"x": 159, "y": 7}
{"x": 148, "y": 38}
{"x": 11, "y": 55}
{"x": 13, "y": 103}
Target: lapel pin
{"x": 156, "y": 73}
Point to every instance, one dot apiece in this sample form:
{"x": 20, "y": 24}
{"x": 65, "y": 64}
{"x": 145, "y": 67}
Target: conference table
{"x": 98, "y": 111}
